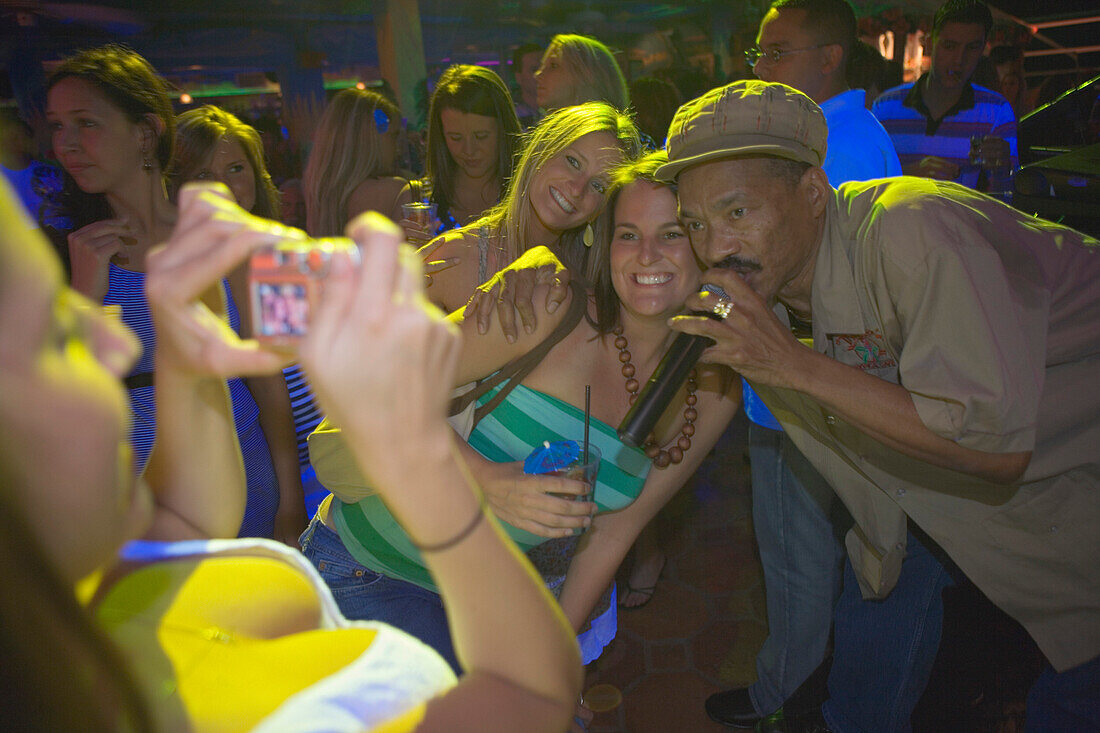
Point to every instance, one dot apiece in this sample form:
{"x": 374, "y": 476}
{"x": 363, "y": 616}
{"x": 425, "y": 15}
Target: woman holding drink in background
{"x": 473, "y": 134}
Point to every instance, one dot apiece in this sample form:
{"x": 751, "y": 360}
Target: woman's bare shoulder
{"x": 389, "y": 184}
{"x": 376, "y": 194}
{"x": 450, "y": 244}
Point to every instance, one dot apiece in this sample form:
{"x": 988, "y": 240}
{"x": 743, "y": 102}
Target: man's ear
{"x": 816, "y": 189}
{"x": 832, "y": 58}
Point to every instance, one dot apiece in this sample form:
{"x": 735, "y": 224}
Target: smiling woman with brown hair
{"x": 609, "y": 337}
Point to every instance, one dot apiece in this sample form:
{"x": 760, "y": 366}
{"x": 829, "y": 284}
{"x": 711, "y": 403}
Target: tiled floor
{"x": 701, "y": 631}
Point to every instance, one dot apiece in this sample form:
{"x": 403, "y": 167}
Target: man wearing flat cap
{"x": 950, "y": 397}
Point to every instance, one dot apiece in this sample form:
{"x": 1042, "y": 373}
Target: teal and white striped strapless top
{"x": 522, "y": 421}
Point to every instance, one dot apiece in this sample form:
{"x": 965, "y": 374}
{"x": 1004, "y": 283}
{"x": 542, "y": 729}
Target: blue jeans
{"x": 801, "y": 557}
{"x": 1064, "y": 701}
{"x": 365, "y": 594}
{"x": 883, "y": 650}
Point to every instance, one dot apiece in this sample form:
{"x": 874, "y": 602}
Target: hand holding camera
{"x": 183, "y": 285}
{"x": 285, "y": 282}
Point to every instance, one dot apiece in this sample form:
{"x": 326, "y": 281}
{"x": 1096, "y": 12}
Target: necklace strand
{"x": 661, "y": 457}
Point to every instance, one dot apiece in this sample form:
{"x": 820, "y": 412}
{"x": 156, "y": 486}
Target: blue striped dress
{"x": 307, "y": 416}
{"x": 126, "y": 289}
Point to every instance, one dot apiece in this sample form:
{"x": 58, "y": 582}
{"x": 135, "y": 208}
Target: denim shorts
{"x": 365, "y": 594}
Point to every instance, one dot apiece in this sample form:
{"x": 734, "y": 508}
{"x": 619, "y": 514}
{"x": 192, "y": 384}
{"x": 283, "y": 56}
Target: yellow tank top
{"x": 236, "y": 635}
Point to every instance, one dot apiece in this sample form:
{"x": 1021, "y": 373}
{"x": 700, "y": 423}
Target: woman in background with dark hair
{"x": 113, "y": 132}
{"x": 214, "y": 145}
{"x": 472, "y": 140}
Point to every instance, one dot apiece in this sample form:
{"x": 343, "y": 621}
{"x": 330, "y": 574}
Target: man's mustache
{"x": 738, "y": 264}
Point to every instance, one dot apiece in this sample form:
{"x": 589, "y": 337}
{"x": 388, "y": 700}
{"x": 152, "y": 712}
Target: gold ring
{"x": 722, "y": 308}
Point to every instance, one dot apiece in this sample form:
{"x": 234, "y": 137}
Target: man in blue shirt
{"x": 804, "y": 44}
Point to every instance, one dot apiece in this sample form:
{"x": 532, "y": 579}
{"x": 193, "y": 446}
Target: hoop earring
{"x": 589, "y": 236}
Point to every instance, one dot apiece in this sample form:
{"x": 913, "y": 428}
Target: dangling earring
{"x": 146, "y": 162}
{"x": 589, "y": 236}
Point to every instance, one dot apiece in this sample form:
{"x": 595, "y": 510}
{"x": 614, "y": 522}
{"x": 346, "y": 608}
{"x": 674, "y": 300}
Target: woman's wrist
{"x": 431, "y": 493}
{"x": 413, "y": 463}
{"x": 169, "y": 372}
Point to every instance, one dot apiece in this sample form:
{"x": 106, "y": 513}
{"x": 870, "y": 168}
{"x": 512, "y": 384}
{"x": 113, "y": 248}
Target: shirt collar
{"x": 915, "y": 100}
{"x": 845, "y": 100}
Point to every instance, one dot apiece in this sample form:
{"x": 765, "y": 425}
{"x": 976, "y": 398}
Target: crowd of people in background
{"x": 571, "y": 213}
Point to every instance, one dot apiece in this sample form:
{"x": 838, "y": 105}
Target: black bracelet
{"x": 466, "y": 532}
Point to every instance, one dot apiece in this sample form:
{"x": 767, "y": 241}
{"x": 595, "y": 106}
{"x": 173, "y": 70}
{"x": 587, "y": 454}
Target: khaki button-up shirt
{"x": 991, "y": 320}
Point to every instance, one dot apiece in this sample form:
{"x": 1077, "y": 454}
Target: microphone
{"x": 665, "y": 382}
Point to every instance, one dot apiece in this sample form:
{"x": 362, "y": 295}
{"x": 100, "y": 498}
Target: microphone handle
{"x": 662, "y": 386}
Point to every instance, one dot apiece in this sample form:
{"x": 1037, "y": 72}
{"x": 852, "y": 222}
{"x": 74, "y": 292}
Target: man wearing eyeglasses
{"x": 804, "y": 44}
{"x": 945, "y": 127}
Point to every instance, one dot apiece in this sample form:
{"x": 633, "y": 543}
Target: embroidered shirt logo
{"x": 866, "y": 351}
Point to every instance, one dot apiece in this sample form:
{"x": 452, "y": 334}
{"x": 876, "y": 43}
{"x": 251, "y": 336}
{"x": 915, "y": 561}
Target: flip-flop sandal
{"x": 646, "y": 591}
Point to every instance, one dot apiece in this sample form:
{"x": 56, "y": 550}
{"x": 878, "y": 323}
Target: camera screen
{"x": 284, "y": 309}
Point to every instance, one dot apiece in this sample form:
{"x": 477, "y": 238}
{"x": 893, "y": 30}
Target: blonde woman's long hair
{"x": 596, "y": 75}
{"x": 510, "y": 218}
{"x": 346, "y": 152}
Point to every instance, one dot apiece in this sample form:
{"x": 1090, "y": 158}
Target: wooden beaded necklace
{"x": 661, "y": 457}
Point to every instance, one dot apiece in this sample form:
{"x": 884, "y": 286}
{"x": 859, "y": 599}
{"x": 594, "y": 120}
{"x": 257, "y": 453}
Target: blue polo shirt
{"x": 858, "y": 149}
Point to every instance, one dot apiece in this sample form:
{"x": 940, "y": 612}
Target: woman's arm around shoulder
{"x": 450, "y": 287}
{"x": 485, "y": 353}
